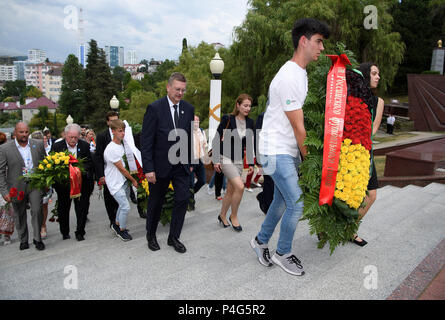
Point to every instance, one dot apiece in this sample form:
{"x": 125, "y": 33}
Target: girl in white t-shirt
{"x": 116, "y": 178}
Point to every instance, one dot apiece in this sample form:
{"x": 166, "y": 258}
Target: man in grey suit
{"x": 18, "y": 157}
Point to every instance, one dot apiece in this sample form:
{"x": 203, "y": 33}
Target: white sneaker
{"x": 249, "y": 190}
{"x": 256, "y": 184}
{"x": 209, "y": 190}
{"x": 262, "y": 251}
{"x": 289, "y": 263}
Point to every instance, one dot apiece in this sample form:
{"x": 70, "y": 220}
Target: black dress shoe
{"x": 24, "y": 245}
{"x": 359, "y": 243}
{"x": 80, "y": 237}
{"x": 153, "y": 244}
{"x": 236, "y": 228}
{"x": 39, "y": 245}
{"x": 179, "y": 247}
{"x": 66, "y": 236}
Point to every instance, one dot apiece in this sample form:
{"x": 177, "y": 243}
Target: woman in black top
{"x": 371, "y": 74}
{"x": 235, "y": 135}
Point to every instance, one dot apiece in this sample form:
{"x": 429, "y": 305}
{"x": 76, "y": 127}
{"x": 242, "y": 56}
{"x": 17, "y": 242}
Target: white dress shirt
{"x": 25, "y": 152}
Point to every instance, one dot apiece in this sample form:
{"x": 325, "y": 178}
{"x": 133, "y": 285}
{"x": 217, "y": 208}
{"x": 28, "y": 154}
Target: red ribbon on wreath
{"x": 336, "y": 93}
{"x": 75, "y": 178}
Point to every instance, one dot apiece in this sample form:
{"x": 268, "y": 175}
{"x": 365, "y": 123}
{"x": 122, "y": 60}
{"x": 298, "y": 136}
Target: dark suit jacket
{"x": 83, "y": 152}
{"x": 102, "y": 141}
{"x": 237, "y": 145}
{"x": 156, "y": 127}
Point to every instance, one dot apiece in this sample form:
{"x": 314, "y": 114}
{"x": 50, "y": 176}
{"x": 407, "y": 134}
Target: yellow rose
{"x": 344, "y": 171}
{"x": 347, "y": 184}
{"x": 45, "y": 161}
{"x": 347, "y": 191}
{"x": 48, "y": 165}
{"x": 337, "y": 194}
{"x": 41, "y": 167}
{"x": 347, "y": 177}
{"x": 347, "y": 142}
{"x": 351, "y": 157}
{"x": 344, "y": 149}
{"x": 57, "y": 161}
{"x": 66, "y": 162}
{"x": 340, "y": 185}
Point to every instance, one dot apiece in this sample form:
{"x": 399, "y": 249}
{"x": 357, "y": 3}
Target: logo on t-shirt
{"x": 288, "y": 102}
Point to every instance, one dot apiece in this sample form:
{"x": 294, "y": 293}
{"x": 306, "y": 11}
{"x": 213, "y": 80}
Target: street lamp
{"x": 114, "y": 103}
{"x": 216, "y": 67}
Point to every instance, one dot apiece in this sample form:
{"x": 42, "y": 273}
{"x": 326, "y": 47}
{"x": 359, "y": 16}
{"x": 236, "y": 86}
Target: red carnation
{"x": 21, "y": 196}
{"x": 13, "y": 192}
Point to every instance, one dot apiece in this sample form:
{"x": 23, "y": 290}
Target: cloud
{"x": 153, "y": 28}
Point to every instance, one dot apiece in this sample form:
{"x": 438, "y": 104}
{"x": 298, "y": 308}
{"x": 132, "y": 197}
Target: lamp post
{"x": 114, "y": 103}
{"x": 216, "y": 67}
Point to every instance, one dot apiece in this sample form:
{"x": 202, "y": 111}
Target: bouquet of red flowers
{"x": 7, "y": 212}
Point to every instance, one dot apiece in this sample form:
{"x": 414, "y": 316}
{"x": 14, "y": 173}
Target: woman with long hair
{"x": 235, "y": 135}
{"x": 371, "y": 74}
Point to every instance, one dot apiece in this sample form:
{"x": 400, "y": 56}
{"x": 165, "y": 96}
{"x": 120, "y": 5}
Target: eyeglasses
{"x": 178, "y": 90}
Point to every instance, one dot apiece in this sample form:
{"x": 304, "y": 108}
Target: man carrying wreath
{"x": 81, "y": 150}
{"x": 17, "y": 158}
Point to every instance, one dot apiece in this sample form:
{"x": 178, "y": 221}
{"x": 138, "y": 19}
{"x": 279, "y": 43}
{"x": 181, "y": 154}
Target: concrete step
{"x": 401, "y": 227}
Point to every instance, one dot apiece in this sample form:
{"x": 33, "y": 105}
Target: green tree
{"x": 184, "y": 44}
{"x": 15, "y": 88}
{"x": 132, "y": 86}
{"x": 194, "y": 64}
{"x": 420, "y": 25}
{"x": 136, "y": 110}
{"x": 263, "y": 42}
{"x": 99, "y": 88}
{"x": 33, "y": 92}
{"x": 72, "y": 98}
{"x": 119, "y": 74}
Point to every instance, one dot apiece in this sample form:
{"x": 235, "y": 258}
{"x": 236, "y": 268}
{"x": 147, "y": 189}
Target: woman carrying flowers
{"x": 371, "y": 75}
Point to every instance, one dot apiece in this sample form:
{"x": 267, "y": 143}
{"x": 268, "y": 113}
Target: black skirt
{"x": 373, "y": 182}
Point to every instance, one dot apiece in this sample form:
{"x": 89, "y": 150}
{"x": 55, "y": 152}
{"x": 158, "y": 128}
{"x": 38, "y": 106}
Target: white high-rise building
{"x": 132, "y": 57}
{"x": 8, "y": 72}
{"x": 36, "y": 56}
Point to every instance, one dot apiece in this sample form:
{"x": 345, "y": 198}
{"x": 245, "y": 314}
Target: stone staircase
{"x": 402, "y": 228}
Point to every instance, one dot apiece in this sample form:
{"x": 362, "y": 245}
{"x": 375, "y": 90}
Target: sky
{"x": 154, "y": 28}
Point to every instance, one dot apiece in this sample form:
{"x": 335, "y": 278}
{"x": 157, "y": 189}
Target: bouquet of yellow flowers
{"x": 54, "y": 168}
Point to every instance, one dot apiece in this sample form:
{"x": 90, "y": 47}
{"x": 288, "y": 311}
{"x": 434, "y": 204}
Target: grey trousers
{"x": 34, "y": 197}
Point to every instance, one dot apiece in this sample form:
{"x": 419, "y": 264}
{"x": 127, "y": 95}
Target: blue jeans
{"x": 121, "y": 198}
{"x": 283, "y": 169}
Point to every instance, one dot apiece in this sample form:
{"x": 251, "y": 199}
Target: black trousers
{"x": 265, "y": 197}
{"x": 180, "y": 180}
{"x": 219, "y": 179}
{"x": 111, "y": 204}
{"x": 81, "y": 206}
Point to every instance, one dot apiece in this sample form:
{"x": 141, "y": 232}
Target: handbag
{"x": 7, "y": 219}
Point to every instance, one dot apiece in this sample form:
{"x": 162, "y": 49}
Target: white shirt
{"x": 113, "y": 177}
{"x": 287, "y": 92}
{"x": 25, "y": 152}
{"x": 172, "y": 110}
{"x": 72, "y": 150}
{"x": 390, "y": 120}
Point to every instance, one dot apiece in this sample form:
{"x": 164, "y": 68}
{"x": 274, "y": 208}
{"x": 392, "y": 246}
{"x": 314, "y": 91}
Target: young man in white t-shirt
{"x": 116, "y": 178}
{"x": 281, "y": 144}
